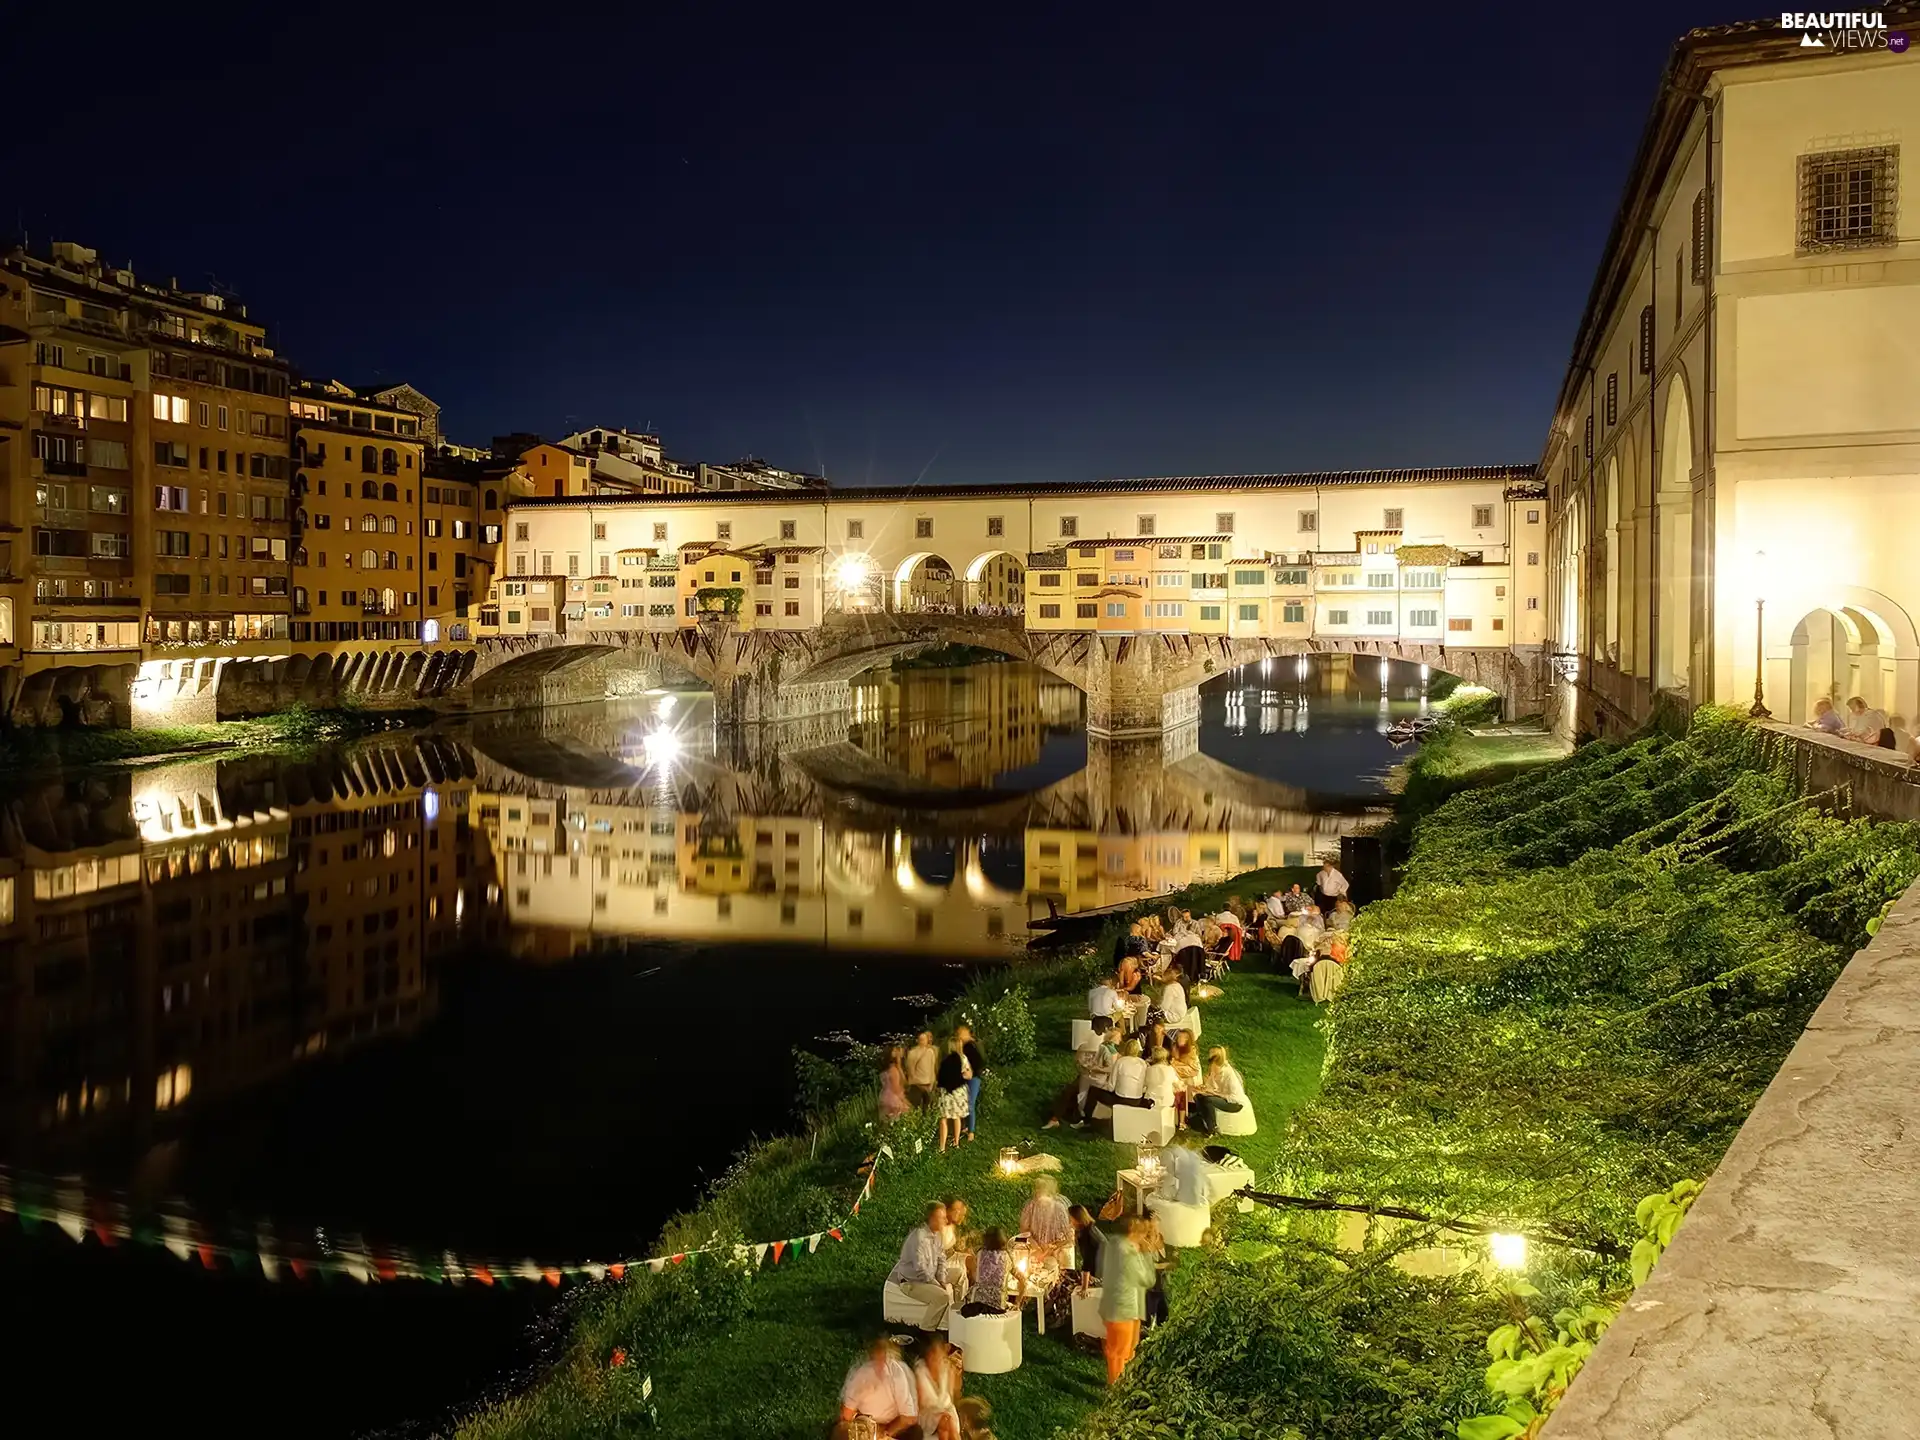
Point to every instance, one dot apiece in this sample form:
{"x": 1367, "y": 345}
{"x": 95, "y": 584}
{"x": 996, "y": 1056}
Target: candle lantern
{"x": 1009, "y": 1159}
{"x": 863, "y": 1427}
{"x": 1146, "y": 1159}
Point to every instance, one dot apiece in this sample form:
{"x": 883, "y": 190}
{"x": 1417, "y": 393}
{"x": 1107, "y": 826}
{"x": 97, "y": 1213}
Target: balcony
{"x": 60, "y": 564}
{"x": 56, "y": 518}
{"x": 376, "y": 608}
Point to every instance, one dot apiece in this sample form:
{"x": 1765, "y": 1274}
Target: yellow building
{"x": 146, "y": 474}
{"x": 360, "y": 569}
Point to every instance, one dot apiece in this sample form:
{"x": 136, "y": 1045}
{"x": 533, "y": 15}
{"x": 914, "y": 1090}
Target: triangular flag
{"x": 299, "y": 1268}
{"x": 526, "y": 1270}
{"x": 74, "y": 1223}
{"x": 105, "y": 1233}
{"x": 207, "y": 1256}
{"x": 356, "y": 1266}
{"x": 680, "y": 1257}
{"x": 455, "y": 1271}
{"x": 383, "y": 1266}
{"x": 836, "y": 1233}
{"x": 778, "y": 1247}
{"x": 269, "y": 1264}
{"x": 551, "y": 1276}
{"x": 656, "y": 1266}
{"x": 482, "y": 1274}
{"x": 856, "y": 1205}
{"x": 618, "y": 1272}
{"x": 596, "y": 1272}
{"x": 813, "y": 1242}
{"x": 761, "y": 1251}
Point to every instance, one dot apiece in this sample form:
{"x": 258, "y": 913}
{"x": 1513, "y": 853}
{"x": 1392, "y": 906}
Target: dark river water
{"x": 451, "y": 991}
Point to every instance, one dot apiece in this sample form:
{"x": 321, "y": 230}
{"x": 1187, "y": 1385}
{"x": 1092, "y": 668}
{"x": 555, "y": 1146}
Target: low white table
{"x": 1137, "y": 1187}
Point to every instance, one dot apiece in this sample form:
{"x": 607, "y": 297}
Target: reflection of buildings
{"x": 961, "y": 727}
{"x": 192, "y": 930}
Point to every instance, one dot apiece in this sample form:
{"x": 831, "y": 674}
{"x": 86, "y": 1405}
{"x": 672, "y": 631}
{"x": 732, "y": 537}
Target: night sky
{"x": 1180, "y": 241}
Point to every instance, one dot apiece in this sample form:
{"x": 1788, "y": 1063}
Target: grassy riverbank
{"x": 32, "y": 749}
{"x": 738, "y": 1354}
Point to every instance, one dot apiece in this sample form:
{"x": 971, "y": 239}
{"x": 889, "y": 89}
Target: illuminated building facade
{"x": 1734, "y": 463}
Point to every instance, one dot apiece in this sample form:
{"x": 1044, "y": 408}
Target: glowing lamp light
{"x": 1509, "y": 1251}
{"x": 852, "y": 572}
{"x": 1009, "y": 1159}
{"x": 662, "y": 747}
{"x": 1146, "y": 1159}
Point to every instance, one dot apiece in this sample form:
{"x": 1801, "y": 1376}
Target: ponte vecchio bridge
{"x": 1135, "y": 591}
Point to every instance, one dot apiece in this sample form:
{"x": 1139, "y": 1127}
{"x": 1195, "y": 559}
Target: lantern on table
{"x": 1146, "y": 1160}
{"x": 863, "y": 1427}
{"x": 1009, "y": 1159}
{"x": 1022, "y": 1252}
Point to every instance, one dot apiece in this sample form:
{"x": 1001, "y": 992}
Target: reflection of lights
{"x": 661, "y": 747}
{"x": 1424, "y": 672}
{"x": 852, "y": 572}
{"x": 1300, "y": 667}
{"x": 459, "y": 906}
{"x": 1509, "y": 1251}
{"x": 663, "y": 707}
{"x": 430, "y": 805}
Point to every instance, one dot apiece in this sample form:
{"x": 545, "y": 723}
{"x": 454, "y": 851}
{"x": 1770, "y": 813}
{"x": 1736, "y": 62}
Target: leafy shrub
{"x": 1003, "y": 1025}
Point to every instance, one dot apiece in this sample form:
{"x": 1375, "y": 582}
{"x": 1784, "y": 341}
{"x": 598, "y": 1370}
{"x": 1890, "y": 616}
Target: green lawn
{"x": 776, "y": 1370}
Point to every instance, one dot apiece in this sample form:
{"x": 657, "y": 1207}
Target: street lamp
{"x": 1759, "y": 710}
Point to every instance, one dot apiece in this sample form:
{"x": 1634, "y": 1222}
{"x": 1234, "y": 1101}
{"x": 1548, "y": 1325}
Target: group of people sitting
{"x": 1310, "y": 939}
{"x": 945, "y": 1266}
{"x": 1153, "y": 1066}
{"x": 1866, "y": 725}
{"x": 930, "y": 1077}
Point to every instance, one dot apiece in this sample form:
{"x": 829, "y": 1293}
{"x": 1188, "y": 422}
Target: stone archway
{"x": 1674, "y": 575}
{"x": 1852, "y": 642}
{"x": 996, "y": 581}
{"x": 926, "y": 582}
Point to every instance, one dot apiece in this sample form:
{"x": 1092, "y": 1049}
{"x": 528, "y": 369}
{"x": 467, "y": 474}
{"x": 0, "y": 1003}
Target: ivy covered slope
{"x": 1587, "y": 977}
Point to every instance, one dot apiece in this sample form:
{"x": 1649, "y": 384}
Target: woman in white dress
{"x": 937, "y": 1376}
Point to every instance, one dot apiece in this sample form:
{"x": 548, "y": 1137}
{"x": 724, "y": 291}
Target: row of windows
{"x": 175, "y": 455}
{"x": 1392, "y": 518}
{"x": 255, "y": 585}
{"x": 180, "y": 410}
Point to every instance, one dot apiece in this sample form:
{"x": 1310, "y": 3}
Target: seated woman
{"x": 1174, "y": 1008}
{"x": 1044, "y": 1219}
{"x": 1161, "y": 1082}
{"x": 1129, "y": 977}
{"x": 992, "y": 1270}
{"x": 1223, "y": 1089}
{"x": 1185, "y": 1060}
{"x": 1130, "y": 1072}
{"x": 1342, "y": 915}
{"x": 937, "y": 1376}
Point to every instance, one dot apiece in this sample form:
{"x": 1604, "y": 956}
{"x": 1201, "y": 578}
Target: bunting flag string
{"x": 110, "y": 1219}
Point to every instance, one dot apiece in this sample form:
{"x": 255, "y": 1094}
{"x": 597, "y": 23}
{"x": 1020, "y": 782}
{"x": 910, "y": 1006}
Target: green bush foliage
{"x": 1587, "y": 977}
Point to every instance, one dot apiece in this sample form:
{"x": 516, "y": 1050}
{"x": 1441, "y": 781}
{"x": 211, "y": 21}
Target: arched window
{"x": 369, "y": 459}
{"x": 387, "y": 525}
{"x": 389, "y": 602}
{"x": 389, "y": 492}
{"x": 393, "y": 560}
{"x": 389, "y": 462}
{"x": 369, "y": 490}
{"x": 369, "y": 560}
{"x": 369, "y": 524}
{"x": 493, "y": 499}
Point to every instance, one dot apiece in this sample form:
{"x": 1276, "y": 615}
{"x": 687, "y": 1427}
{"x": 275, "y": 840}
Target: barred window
{"x": 1849, "y": 199}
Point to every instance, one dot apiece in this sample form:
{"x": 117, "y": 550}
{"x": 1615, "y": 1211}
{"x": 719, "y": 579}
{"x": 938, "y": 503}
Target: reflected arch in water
{"x": 855, "y": 862}
{"x": 936, "y": 862}
{"x": 996, "y": 870}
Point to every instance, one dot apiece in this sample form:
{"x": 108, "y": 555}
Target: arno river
{"x": 519, "y": 986}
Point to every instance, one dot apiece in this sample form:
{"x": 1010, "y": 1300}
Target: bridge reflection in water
{"x": 957, "y": 807}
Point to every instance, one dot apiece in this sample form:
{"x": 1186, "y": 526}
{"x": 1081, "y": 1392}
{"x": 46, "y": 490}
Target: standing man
{"x": 978, "y": 1064}
{"x": 1329, "y": 885}
{"x": 923, "y": 1064}
{"x": 921, "y": 1270}
{"x": 880, "y": 1387}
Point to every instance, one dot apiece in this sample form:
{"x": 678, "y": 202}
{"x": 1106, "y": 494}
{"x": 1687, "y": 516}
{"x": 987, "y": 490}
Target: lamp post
{"x": 1759, "y": 710}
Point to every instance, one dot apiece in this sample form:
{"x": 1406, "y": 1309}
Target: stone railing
{"x": 1878, "y": 782}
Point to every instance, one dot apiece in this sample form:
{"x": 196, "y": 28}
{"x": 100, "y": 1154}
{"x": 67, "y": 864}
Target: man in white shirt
{"x": 921, "y": 1270}
{"x": 1104, "y": 998}
{"x": 1328, "y": 886}
{"x": 881, "y": 1387}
